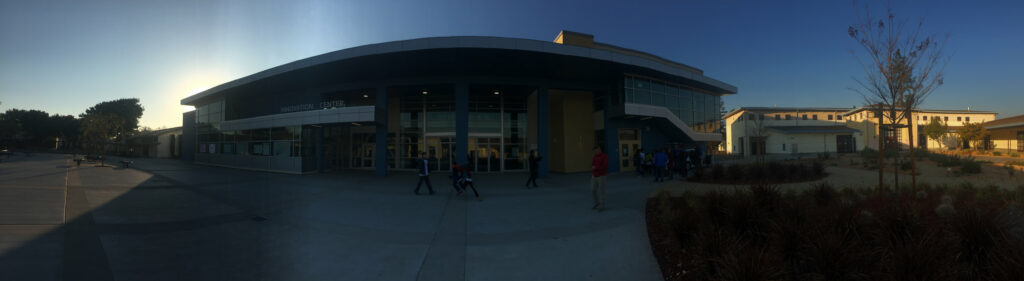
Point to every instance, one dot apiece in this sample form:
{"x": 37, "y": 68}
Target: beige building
{"x": 796, "y": 130}
{"x": 865, "y": 121}
{"x": 164, "y": 143}
{"x": 789, "y": 130}
{"x": 1006, "y": 134}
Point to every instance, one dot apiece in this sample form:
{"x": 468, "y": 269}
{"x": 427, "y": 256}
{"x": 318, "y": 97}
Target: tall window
{"x": 695, "y": 107}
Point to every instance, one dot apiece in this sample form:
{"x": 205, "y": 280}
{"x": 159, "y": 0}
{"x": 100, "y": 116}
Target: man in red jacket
{"x": 600, "y": 168}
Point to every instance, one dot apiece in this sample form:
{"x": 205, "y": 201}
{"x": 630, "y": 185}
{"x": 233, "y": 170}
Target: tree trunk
{"x": 913, "y": 164}
{"x": 881, "y": 172}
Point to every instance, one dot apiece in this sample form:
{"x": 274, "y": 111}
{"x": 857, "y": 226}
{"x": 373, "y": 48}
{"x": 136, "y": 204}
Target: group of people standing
{"x": 666, "y": 163}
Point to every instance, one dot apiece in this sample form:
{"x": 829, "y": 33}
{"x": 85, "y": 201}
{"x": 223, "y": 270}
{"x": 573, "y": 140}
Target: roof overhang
{"x": 1004, "y": 126}
{"x": 474, "y": 42}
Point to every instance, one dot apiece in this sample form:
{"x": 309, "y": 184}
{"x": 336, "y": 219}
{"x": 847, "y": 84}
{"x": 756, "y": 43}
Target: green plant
{"x": 823, "y": 193}
{"x": 756, "y": 172}
{"x": 717, "y": 172}
{"x": 1014, "y": 155}
{"x": 766, "y": 196}
{"x": 817, "y": 168}
{"x": 734, "y": 172}
{"x": 905, "y": 166}
{"x": 699, "y": 174}
{"x": 970, "y": 167}
{"x": 997, "y": 153}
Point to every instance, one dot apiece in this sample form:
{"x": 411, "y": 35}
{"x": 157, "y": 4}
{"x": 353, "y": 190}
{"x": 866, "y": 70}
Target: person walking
{"x": 467, "y": 179}
{"x": 649, "y": 163}
{"x": 423, "y": 166}
{"x": 683, "y": 166}
{"x": 638, "y": 162}
{"x": 456, "y": 177}
{"x": 534, "y": 166}
{"x": 660, "y": 161}
{"x": 599, "y": 167}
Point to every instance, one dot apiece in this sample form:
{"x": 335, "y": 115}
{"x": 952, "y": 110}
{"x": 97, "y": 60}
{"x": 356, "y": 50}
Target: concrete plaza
{"x": 168, "y": 220}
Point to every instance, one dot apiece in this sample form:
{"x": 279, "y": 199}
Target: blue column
{"x": 543, "y": 130}
{"x": 461, "y": 122}
{"x": 380, "y": 118}
{"x": 318, "y": 134}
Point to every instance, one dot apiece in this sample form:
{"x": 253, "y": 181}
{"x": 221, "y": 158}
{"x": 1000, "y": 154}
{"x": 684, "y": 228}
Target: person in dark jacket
{"x": 456, "y": 178}
{"x": 423, "y": 165}
{"x": 660, "y": 163}
{"x": 467, "y": 179}
{"x": 534, "y": 166}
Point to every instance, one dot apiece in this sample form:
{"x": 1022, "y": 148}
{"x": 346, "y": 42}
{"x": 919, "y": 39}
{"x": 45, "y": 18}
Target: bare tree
{"x": 902, "y": 68}
{"x": 756, "y": 135}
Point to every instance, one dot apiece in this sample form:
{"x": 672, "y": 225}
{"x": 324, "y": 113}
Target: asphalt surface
{"x": 170, "y": 220}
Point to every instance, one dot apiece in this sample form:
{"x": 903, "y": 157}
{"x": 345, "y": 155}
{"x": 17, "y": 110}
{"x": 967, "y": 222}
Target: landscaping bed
{"x": 761, "y": 173}
{"x": 762, "y": 233}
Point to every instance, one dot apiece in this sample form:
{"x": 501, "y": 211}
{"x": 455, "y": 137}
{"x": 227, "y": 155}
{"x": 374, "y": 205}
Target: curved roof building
{"x": 482, "y": 101}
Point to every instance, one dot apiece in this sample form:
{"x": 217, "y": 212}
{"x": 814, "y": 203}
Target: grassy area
{"x": 762, "y": 233}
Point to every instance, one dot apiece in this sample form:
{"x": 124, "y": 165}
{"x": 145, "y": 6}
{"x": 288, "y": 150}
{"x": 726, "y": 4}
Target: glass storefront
{"x": 427, "y": 124}
{"x": 276, "y": 141}
{"x": 497, "y": 130}
{"x": 698, "y": 109}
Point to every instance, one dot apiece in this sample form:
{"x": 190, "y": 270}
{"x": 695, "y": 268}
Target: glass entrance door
{"x": 1020, "y": 141}
{"x": 629, "y": 143}
{"x": 485, "y": 154}
{"x": 363, "y": 155}
{"x": 441, "y": 151}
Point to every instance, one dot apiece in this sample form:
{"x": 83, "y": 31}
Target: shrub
{"x": 767, "y": 196}
{"x": 734, "y": 172}
{"x": 717, "y": 172}
{"x": 699, "y": 174}
{"x": 905, "y": 166}
{"x": 827, "y": 234}
{"x": 823, "y": 193}
{"x": 921, "y": 153}
{"x": 1014, "y": 155}
{"x": 793, "y": 171}
{"x": 997, "y": 153}
{"x": 869, "y": 154}
{"x": 970, "y": 167}
{"x": 817, "y": 168}
{"x": 756, "y": 172}
{"x": 777, "y": 171}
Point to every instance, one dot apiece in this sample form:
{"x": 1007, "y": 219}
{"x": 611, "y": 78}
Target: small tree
{"x": 756, "y": 134}
{"x": 902, "y": 68}
{"x": 972, "y": 133}
{"x": 936, "y": 130}
{"x": 98, "y": 130}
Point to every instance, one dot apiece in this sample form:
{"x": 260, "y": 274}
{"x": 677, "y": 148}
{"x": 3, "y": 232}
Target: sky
{"x": 64, "y": 56}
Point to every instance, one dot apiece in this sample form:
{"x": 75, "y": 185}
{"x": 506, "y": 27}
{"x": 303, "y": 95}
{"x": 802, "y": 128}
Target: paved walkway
{"x": 167, "y": 220}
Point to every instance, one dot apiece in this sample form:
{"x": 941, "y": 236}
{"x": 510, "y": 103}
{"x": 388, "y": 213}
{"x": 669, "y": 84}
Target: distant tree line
{"x": 101, "y": 126}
